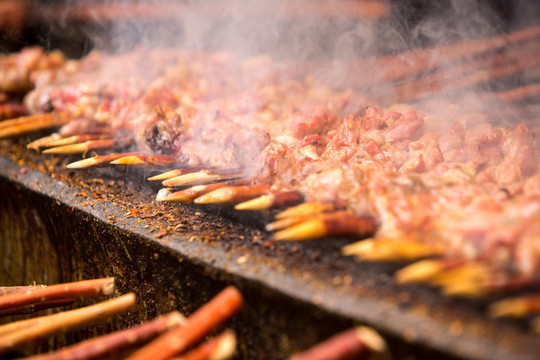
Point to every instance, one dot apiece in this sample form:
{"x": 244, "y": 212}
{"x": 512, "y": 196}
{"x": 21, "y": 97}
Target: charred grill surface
{"x": 172, "y": 256}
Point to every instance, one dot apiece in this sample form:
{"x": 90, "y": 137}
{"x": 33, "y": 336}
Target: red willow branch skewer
{"x": 23, "y": 125}
{"x": 224, "y": 305}
{"x": 106, "y": 344}
{"x": 86, "y": 288}
{"x": 86, "y": 146}
{"x": 173, "y": 173}
{"x": 416, "y": 62}
{"x": 28, "y": 309}
{"x": 341, "y": 223}
{"x": 469, "y": 74}
{"x": 25, "y": 331}
{"x": 146, "y": 160}
{"x": 232, "y": 194}
{"x": 187, "y": 196}
{"x": 221, "y": 347}
{"x": 517, "y": 307}
{"x": 522, "y": 93}
{"x": 349, "y": 344}
{"x": 6, "y": 290}
{"x": 202, "y": 177}
{"x": 272, "y": 200}
{"x": 404, "y": 248}
{"x": 11, "y": 111}
{"x": 97, "y": 160}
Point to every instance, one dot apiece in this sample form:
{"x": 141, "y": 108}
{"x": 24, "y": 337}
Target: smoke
{"x": 341, "y": 47}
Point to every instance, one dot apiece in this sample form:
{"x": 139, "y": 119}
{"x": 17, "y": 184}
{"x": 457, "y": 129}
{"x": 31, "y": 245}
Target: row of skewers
{"x": 389, "y": 176}
{"x": 170, "y": 336}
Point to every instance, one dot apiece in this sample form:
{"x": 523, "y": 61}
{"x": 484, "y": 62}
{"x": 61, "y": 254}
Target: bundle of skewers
{"x": 170, "y": 333}
{"x": 170, "y": 336}
{"x": 452, "y": 194}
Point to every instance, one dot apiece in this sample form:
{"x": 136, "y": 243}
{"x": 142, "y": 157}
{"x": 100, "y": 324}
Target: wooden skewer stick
{"x": 87, "y": 288}
{"x": 471, "y": 280}
{"x": 28, "y": 309}
{"x": 231, "y": 194}
{"x": 463, "y": 272}
{"x": 224, "y": 305}
{"x": 31, "y": 123}
{"x": 416, "y": 62}
{"x": 517, "y": 307}
{"x": 389, "y": 249}
{"x": 103, "y": 345}
{"x": 420, "y": 272}
{"x": 306, "y": 209}
{"x": 340, "y": 223}
{"x": 6, "y": 290}
{"x": 199, "y": 178}
{"x": 84, "y": 147}
{"x": 272, "y": 200}
{"x": 145, "y": 160}
{"x": 96, "y": 160}
{"x": 172, "y": 173}
{"x": 221, "y": 347}
{"x": 289, "y": 221}
{"x": 10, "y": 111}
{"x": 468, "y": 74}
{"x": 536, "y": 325}
{"x": 187, "y": 196}
{"x": 522, "y": 93}
{"x": 43, "y": 142}
{"x": 30, "y": 330}
{"x": 349, "y": 344}
{"x": 73, "y": 139}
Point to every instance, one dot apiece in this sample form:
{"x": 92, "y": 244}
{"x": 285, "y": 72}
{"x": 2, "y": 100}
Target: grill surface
{"x": 59, "y": 226}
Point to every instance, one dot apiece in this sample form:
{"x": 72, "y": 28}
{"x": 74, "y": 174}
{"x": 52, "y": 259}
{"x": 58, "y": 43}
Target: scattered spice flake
{"x": 162, "y": 234}
{"x": 241, "y": 260}
{"x": 23, "y": 170}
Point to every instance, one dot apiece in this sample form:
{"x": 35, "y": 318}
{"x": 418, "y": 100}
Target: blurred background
{"x": 303, "y": 29}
